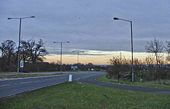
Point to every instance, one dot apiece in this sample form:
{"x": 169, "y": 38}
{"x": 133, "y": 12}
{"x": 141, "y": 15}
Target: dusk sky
{"x": 87, "y": 24}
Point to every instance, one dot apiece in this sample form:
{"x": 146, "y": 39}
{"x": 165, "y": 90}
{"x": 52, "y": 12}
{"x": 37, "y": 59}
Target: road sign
{"x": 21, "y": 64}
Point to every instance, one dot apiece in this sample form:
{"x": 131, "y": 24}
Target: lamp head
{"x": 9, "y": 18}
{"x": 32, "y": 16}
{"x": 115, "y": 18}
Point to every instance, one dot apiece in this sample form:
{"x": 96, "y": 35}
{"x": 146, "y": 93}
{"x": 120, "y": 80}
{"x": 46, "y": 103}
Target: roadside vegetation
{"x": 85, "y": 96}
{"x": 153, "y": 72}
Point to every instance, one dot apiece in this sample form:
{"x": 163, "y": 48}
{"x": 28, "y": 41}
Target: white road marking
{"x": 4, "y": 85}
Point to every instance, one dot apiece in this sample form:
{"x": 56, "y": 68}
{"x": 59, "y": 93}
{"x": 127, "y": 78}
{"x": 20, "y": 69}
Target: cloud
{"x": 87, "y": 24}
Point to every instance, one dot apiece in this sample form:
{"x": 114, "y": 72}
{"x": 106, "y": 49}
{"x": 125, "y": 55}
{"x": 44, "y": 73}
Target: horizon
{"x": 99, "y": 59}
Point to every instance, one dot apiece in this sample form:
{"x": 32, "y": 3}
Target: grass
{"x": 22, "y": 75}
{"x": 85, "y": 96}
{"x": 153, "y": 84}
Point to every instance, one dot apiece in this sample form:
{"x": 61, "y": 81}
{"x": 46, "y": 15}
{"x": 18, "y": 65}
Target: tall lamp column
{"x": 19, "y": 42}
{"x": 132, "y": 66}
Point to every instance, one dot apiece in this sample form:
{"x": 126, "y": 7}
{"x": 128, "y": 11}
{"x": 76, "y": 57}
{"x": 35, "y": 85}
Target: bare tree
{"x": 8, "y": 49}
{"x": 32, "y": 51}
{"x": 119, "y": 68}
{"x": 8, "y": 58}
{"x": 38, "y": 51}
{"x": 25, "y": 51}
{"x": 116, "y": 67}
{"x": 155, "y": 47}
{"x": 167, "y": 47}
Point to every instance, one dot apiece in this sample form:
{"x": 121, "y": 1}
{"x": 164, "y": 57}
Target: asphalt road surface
{"x": 92, "y": 80}
{"x": 15, "y": 86}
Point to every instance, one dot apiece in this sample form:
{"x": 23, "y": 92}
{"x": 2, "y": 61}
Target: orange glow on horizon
{"x": 72, "y": 59}
{"x": 95, "y": 59}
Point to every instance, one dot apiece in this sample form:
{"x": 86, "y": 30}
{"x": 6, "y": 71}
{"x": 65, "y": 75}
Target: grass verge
{"x": 85, "y": 96}
{"x": 22, "y": 75}
{"x": 153, "y": 84}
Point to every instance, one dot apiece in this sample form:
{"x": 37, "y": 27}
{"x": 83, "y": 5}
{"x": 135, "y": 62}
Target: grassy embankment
{"x": 85, "y": 96}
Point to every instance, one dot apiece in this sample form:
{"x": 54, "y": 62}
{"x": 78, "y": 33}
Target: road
{"x": 15, "y": 86}
{"x": 92, "y": 80}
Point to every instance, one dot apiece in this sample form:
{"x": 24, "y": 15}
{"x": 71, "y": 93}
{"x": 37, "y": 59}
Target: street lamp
{"x": 132, "y": 68}
{"x": 61, "y": 52}
{"x": 20, "y": 24}
{"x": 78, "y": 53}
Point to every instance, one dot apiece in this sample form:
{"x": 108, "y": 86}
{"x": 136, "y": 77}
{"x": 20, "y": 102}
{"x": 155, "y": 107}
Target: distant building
{"x": 74, "y": 67}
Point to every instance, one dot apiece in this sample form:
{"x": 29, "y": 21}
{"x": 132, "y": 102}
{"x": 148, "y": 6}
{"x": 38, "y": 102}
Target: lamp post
{"x": 20, "y": 24}
{"x": 61, "y": 52}
{"x": 78, "y": 53}
{"x": 132, "y": 67}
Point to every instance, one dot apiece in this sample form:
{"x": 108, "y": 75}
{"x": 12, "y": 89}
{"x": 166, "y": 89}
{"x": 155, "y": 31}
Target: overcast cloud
{"x": 87, "y": 24}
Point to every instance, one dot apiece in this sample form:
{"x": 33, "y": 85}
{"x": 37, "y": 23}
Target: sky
{"x": 87, "y": 24}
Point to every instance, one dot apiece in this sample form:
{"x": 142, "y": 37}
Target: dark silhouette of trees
{"x": 33, "y": 52}
{"x": 30, "y": 52}
{"x": 152, "y": 68}
{"x": 25, "y": 51}
{"x": 8, "y": 54}
{"x": 116, "y": 68}
{"x": 119, "y": 68}
{"x": 38, "y": 51}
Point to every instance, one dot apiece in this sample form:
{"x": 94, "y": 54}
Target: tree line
{"x": 29, "y": 51}
{"x": 32, "y": 53}
{"x": 152, "y": 68}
